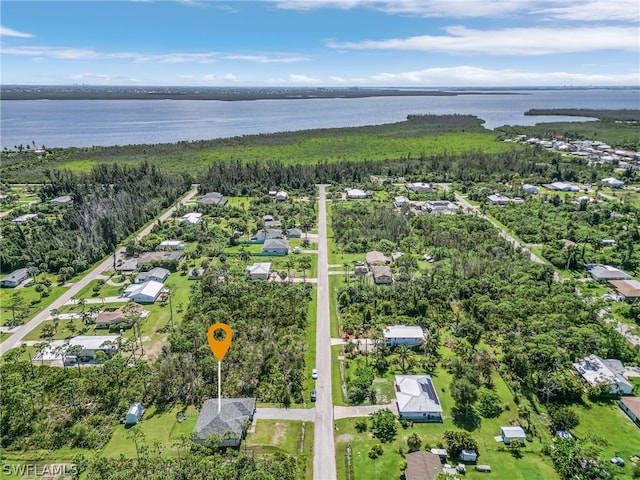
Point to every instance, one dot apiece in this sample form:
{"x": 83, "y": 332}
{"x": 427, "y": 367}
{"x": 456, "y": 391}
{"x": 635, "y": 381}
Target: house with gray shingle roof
{"x": 417, "y": 399}
{"x": 230, "y": 423}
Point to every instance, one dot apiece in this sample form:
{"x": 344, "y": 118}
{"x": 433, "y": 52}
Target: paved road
{"x": 15, "y": 339}
{"x": 324, "y": 461}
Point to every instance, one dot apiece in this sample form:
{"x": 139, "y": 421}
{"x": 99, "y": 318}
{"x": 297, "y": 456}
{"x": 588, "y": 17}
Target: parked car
{"x": 313, "y": 395}
{"x": 314, "y": 373}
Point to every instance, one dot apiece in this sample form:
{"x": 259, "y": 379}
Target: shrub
{"x": 361, "y": 425}
{"x": 376, "y": 451}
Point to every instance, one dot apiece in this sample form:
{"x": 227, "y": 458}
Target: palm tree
{"x": 405, "y": 356}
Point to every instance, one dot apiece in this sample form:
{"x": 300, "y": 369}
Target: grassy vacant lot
{"x": 34, "y": 303}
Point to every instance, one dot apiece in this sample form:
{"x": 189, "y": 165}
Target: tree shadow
{"x": 467, "y": 420}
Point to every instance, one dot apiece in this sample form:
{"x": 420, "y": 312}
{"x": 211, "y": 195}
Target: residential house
{"x": 172, "y": 245}
{"x": 357, "y": 194}
{"x": 360, "y": 268}
{"x": 115, "y": 316}
{"x": 528, "y": 188}
{"x": 517, "y": 201}
{"x": 63, "y": 200}
{"x": 281, "y": 196}
{"x": 401, "y": 201}
{"x": 376, "y": 258}
{"x": 146, "y": 292}
{"x": 440, "y": 207}
{"x": 508, "y": 434}
{"x": 267, "y": 218}
{"x": 15, "y": 278}
{"x": 628, "y": 290}
{"x": 382, "y": 275}
{"x": 23, "y": 218}
{"x": 134, "y": 414}
{"x": 157, "y": 274}
{"x": 562, "y": 187}
{"x": 422, "y": 465}
{"x": 597, "y": 371}
{"x": 294, "y": 233}
{"x": 92, "y": 344}
{"x": 259, "y": 271}
{"x": 604, "y": 273}
{"x": 152, "y": 257}
{"x": 498, "y": 199}
{"x": 612, "y": 182}
{"x": 417, "y": 399}
{"x": 631, "y": 406}
{"x": 608, "y": 242}
{"x": 276, "y": 224}
{"x": 275, "y": 246}
{"x": 230, "y": 423}
{"x": 262, "y": 236}
{"x": 192, "y": 218}
{"x": 419, "y": 187}
{"x": 212, "y": 198}
{"x": 410, "y": 335}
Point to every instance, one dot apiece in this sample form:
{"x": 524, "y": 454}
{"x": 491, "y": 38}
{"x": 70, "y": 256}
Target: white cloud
{"x": 476, "y": 76}
{"x": 90, "y": 76}
{"x": 303, "y": 79}
{"x": 9, "y": 32}
{"x": 510, "y": 41}
{"x": 594, "y": 11}
{"x": 267, "y": 59}
{"x": 337, "y": 79}
{"x": 586, "y": 10}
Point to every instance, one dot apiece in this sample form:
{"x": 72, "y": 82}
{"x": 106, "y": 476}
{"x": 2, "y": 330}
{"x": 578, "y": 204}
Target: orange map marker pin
{"x": 219, "y": 347}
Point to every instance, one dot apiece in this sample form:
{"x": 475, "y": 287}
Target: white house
{"x": 528, "y": 188}
{"x": 91, "y": 344}
{"x": 146, "y": 292}
{"x": 417, "y": 399}
{"x": 23, "y": 218}
{"x": 60, "y": 200}
{"x": 563, "y": 187}
{"x": 507, "y": 434}
{"x": 356, "y": 193}
{"x": 603, "y": 273}
{"x": 410, "y": 335}
{"x": 440, "y": 207}
{"x": 157, "y": 274}
{"x": 172, "y": 245}
{"x": 192, "y": 217}
{"x": 419, "y": 187}
{"x": 498, "y": 199}
{"x": 259, "y": 271}
{"x": 612, "y": 182}
{"x": 134, "y": 414}
{"x": 597, "y": 371}
{"x": 15, "y": 278}
{"x": 281, "y": 196}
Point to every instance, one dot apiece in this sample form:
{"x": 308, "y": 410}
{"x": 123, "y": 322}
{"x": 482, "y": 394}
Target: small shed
{"x": 512, "y": 433}
{"x": 134, "y": 414}
{"x": 468, "y": 456}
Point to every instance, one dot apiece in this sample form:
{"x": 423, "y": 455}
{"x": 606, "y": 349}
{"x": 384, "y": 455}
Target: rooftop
{"x": 233, "y": 414}
{"x": 416, "y": 393}
{"x": 403, "y": 331}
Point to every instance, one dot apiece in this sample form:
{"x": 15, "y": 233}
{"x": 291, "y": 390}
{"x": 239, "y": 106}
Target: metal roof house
{"x": 602, "y": 273}
{"x": 64, "y": 199}
{"x": 417, "y": 399}
{"x": 91, "y": 344}
{"x": 507, "y": 434}
{"x": 192, "y": 217}
{"x": 157, "y": 274}
{"x": 419, "y": 187}
{"x": 259, "y": 271}
{"x": 230, "y": 423}
{"x": 628, "y": 290}
{"x": 15, "y": 278}
{"x": 146, "y": 292}
{"x": 275, "y": 246}
{"x": 134, "y": 414}
{"x": 410, "y": 335}
{"x": 597, "y": 371}
{"x": 212, "y": 198}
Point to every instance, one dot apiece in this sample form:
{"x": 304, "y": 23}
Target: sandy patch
{"x": 345, "y": 437}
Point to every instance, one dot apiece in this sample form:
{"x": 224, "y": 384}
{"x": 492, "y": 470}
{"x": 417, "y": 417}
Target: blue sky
{"x": 405, "y": 43}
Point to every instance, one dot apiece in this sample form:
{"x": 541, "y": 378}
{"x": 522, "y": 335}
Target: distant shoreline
{"x": 218, "y": 93}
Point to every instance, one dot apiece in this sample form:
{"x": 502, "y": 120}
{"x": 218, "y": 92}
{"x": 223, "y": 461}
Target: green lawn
{"x": 33, "y": 302}
{"x": 102, "y": 290}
